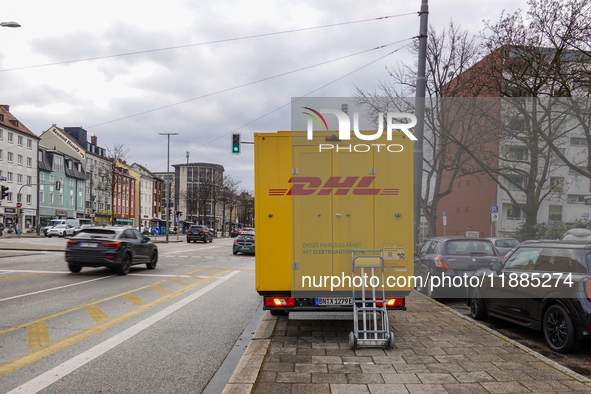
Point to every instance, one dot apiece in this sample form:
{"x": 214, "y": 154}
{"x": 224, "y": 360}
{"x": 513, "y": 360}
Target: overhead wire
{"x": 205, "y": 43}
{"x": 247, "y": 84}
{"x": 291, "y": 102}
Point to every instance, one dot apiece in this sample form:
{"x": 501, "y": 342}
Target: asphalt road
{"x": 158, "y": 331}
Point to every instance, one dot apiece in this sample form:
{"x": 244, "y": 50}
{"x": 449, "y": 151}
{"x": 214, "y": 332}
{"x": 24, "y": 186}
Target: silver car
{"x": 504, "y": 245}
{"x": 61, "y": 230}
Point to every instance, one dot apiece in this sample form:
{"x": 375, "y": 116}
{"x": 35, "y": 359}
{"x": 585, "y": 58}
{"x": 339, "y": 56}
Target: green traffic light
{"x": 235, "y": 149}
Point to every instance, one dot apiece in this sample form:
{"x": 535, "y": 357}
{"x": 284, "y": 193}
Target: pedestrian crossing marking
{"x": 160, "y": 289}
{"x": 180, "y": 282}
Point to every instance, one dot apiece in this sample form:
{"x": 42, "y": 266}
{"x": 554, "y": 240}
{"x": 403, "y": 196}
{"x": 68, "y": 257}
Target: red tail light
{"x": 115, "y": 245}
{"x": 588, "y": 288}
{"x": 72, "y": 243}
{"x": 440, "y": 263}
{"x": 188, "y": 232}
{"x": 202, "y": 232}
{"x": 279, "y": 301}
{"x": 395, "y": 302}
{"x": 235, "y": 241}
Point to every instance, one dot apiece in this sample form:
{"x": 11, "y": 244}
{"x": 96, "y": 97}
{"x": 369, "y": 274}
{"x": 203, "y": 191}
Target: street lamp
{"x": 168, "y": 184}
{"x": 9, "y": 24}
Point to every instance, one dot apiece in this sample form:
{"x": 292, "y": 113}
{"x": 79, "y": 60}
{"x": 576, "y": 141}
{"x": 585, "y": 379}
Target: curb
{"x": 247, "y": 370}
{"x": 537, "y": 355}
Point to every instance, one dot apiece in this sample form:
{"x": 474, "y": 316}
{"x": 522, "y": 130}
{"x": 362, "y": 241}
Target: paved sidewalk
{"x": 437, "y": 350}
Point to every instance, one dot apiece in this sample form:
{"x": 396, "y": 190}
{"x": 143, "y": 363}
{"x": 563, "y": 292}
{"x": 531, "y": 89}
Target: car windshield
{"x": 196, "y": 229}
{"x": 466, "y": 247}
{"x": 60, "y": 226}
{"x": 96, "y": 233}
{"x": 54, "y": 223}
{"x": 506, "y": 243}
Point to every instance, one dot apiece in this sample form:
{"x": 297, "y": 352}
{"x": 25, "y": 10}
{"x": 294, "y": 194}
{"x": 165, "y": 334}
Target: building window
{"x": 556, "y": 159}
{"x": 58, "y": 164}
{"x": 19, "y": 160}
{"x": 51, "y": 179}
{"x": 0, "y": 154}
{"x": 40, "y": 155}
{"x": 19, "y": 197}
{"x": 61, "y": 199}
{"x": 578, "y": 141}
{"x": 9, "y": 197}
{"x": 513, "y": 212}
{"x": 71, "y": 201}
{"x": 515, "y": 182}
{"x": 41, "y": 177}
{"x": 10, "y": 157}
{"x": 555, "y": 213}
{"x": 29, "y": 144}
{"x": 19, "y": 140}
{"x": 1, "y": 133}
{"x": 29, "y": 199}
{"x": 516, "y": 154}
{"x": 10, "y": 137}
{"x": 41, "y": 197}
{"x": 575, "y": 199}
{"x": 9, "y": 177}
{"x": 71, "y": 184}
{"x": 556, "y": 184}
{"x": 29, "y": 162}
{"x": 29, "y": 179}
{"x": 19, "y": 179}
{"x": 51, "y": 198}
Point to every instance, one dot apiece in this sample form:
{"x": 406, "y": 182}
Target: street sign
{"x": 18, "y": 205}
{"x": 494, "y": 217}
{"x": 494, "y": 209}
{"x": 444, "y": 214}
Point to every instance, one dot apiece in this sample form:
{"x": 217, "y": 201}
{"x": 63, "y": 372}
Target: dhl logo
{"x": 308, "y": 185}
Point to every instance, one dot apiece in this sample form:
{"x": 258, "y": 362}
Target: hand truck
{"x": 372, "y": 311}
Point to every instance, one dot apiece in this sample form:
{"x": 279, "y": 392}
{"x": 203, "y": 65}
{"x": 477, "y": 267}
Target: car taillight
{"x": 235, "y": 241}
{"x": 72, "y": 243}
{"x": 188, "y": 232}
{"x": 279, "y": 301}
{"x": 115, "y": 245}
{"x": 202, "y": 232}
{"x": 588, "y": 288}
{"x": 440, "y": 263}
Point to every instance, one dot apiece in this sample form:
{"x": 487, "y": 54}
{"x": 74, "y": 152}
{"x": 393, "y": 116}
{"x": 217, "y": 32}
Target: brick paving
{"x": 436, "y": 351}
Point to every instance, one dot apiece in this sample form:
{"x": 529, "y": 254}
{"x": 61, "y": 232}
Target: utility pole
{"x": 168, "y": 184}
{"x": 420, "y": 114}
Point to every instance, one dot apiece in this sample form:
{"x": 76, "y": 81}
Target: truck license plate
{"x": 334, "y": 301}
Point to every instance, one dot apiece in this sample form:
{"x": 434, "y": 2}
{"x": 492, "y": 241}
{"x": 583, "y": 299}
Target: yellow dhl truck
{"x": 316, "y": 201}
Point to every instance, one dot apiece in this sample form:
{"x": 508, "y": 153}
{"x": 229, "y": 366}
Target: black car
{"x": 443, "y": 262}
{"x": 199, "y": 233}
{"x": 234, "y": 232}
{"x": 544, "y": 285}
{"x": 112, "y": 247}
{"x": 244, "y": 243}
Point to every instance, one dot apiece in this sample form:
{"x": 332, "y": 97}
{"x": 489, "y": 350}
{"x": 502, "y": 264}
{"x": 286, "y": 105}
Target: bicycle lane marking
{"x": 51, "y": 376}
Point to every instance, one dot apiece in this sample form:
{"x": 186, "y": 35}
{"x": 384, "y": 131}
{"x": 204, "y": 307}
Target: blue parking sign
{"x": 494, "y": 209}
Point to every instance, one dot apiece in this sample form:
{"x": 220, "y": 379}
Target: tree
{"x": 246, "y": 207}
{"x": 450, "y": 53}
{"x": 228, "y": 197}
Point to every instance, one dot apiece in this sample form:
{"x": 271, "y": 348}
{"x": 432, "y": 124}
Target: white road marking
{"x": 53, "y": 375}
{"x": 54, "y": 288}
{"x": 184, "y": 251}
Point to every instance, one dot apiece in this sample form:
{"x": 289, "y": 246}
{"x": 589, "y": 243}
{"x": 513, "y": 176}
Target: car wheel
{"x": 477, "y": 306}
{"x": 49, "y": 236}
{"x": 188, "y": 241}
{"x": 74, "y": 268}
{"x": 559, "y": 330}
{"x": 211, "y": 240}
{"x": 235, "y": 252}
{"x": 125, "y": 265}
{"x": 153, "y": 261}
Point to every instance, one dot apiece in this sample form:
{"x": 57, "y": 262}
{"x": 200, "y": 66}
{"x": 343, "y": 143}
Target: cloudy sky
{"x": 195, "y": 89}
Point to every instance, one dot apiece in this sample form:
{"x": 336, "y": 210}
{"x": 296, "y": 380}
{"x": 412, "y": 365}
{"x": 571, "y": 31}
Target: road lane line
{"x": 160, "y": 289}
{"x": 91, "y": 303}
{"x": 37, "y": 335}
{"x": 22, "y": 276}
{"x": 134, "y": 300}
{"x": 96, "y": 313}
{"x": 196, "y": 250}
{"x": 180, "y": 282}
{"x": 44, "y": 380}
{"x": 54, "y": 288}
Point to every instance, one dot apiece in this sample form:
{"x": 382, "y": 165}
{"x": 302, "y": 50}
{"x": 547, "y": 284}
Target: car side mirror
{"x": 496, "y": 266}
{"x": 146, "y": 239}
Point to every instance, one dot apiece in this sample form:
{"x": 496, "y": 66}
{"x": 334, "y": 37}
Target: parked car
{"x": 544, "y": 285}
{"x": 504, "y": 245}
{"x": 234, "y": 232}
{"x": 61, "y": 230}
{"x": 451, "y": 257}
{"x": 112, "y": 247}
{"x": 244, "y": 243}
{"x": 199, "y": 233}
{"x": 247, "y": 230}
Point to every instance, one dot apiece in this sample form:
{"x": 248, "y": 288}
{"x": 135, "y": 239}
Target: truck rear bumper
{"x": 284, "y": 302}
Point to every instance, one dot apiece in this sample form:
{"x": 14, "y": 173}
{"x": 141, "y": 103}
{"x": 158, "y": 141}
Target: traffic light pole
{"x": 21, "y": 216}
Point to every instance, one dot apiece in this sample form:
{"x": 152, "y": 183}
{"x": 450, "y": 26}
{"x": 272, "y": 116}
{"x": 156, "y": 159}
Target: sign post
{"x": 444, "y": 221}
{"x": 494, "y": 217}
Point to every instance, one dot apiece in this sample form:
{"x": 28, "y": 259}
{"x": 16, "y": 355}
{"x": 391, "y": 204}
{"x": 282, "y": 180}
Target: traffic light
{"x": 236, "y": 143}
{"x": 4, "y": 192}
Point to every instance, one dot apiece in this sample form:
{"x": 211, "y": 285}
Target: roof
{"x": 11, "y": 122}
{"x": 212, "y": 165}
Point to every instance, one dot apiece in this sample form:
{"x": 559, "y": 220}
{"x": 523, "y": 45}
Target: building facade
{"x": 18, "y": 169}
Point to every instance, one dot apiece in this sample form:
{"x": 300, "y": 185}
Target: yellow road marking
{"x": 37, "y": 335}
{"x": 160, "y": 289}
{"x": 24, "y": 276}
{"x": 84, "y": 306}
{"x": 38, "y": 354}
{"x": 196, "y": 277}
{"x": 135, "y": 300}
{"x": 180, "y": 282}
{"x": 96, "y": 313}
